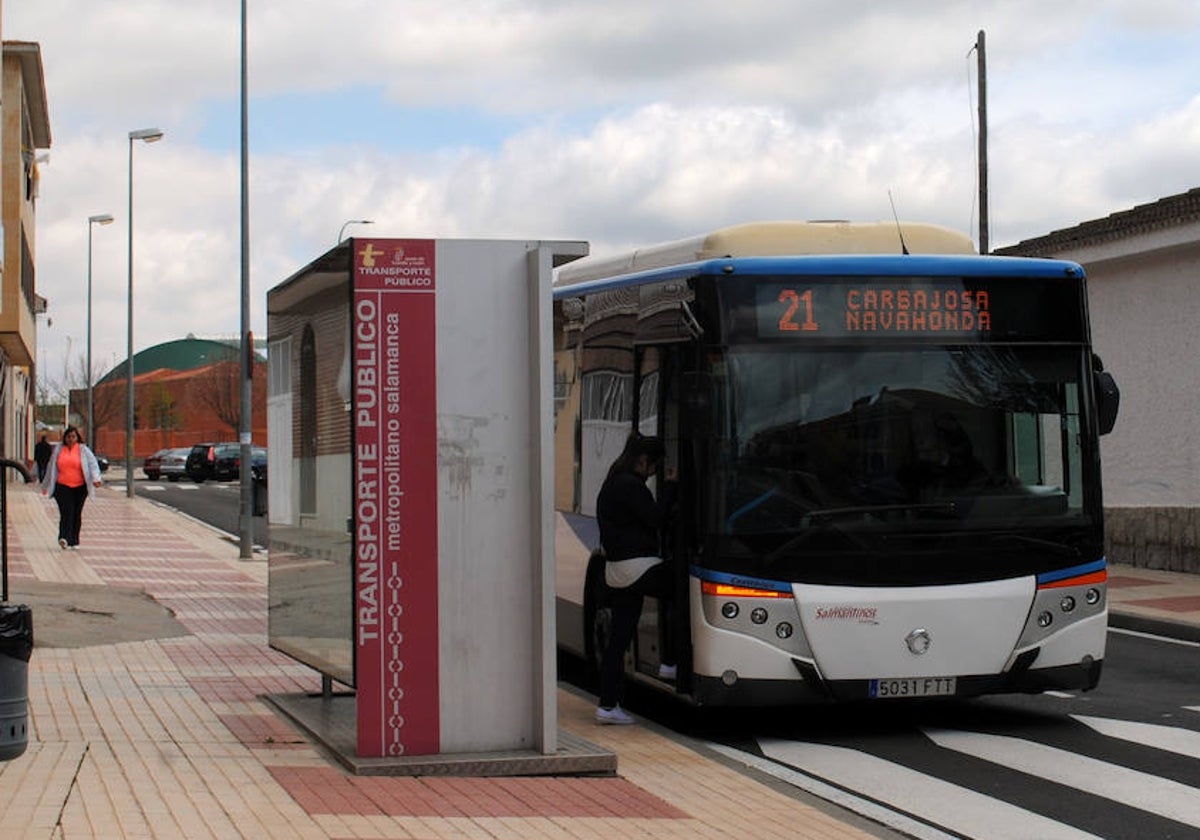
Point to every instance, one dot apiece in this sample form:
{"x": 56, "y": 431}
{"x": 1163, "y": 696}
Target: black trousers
{"x": 626, "y": 607}
{"x": 70, "y": 511}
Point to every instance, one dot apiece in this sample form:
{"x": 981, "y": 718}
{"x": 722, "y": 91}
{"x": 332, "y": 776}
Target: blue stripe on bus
{"x": 1074, "y": 571}
{"x": 852, "y": 265}
{"x": 739, "y": 580}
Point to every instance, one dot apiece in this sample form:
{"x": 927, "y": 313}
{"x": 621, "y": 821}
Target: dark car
{"x": 201, "y": 461}
{"x": 227, "y": 460}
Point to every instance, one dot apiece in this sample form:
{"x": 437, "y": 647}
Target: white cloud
{"x": 639, "y": 122}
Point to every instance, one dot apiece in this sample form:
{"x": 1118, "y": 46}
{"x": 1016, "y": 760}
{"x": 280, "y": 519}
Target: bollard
{"x": 16, "y": 644}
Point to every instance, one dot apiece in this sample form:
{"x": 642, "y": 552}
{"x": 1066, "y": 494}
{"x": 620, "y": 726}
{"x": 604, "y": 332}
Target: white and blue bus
{"x": 887, "y": 449}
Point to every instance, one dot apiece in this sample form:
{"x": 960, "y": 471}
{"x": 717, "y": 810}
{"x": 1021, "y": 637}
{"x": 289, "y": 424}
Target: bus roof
{"x": 775, "y": 239}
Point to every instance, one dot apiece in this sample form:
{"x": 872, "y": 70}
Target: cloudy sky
{"x": 620, "y": 122}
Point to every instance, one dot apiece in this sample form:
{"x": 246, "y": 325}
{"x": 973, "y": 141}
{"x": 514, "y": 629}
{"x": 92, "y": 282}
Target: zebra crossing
{"x": 1083, "y": 776}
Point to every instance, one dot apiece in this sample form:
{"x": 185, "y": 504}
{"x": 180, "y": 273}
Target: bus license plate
{"x": 913, "y": 687}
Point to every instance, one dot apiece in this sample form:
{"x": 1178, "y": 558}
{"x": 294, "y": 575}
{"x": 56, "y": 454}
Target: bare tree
{"x": 219, "y": 388}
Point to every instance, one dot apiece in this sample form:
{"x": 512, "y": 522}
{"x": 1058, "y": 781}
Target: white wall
{"x": 1145, "y": 314}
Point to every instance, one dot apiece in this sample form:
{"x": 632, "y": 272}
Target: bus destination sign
{"x": 914, "y": 308}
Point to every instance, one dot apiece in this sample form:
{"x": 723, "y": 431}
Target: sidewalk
{"x": 156, "y": 727}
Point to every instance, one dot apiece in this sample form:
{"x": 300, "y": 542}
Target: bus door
{"x": 657, "y": 409}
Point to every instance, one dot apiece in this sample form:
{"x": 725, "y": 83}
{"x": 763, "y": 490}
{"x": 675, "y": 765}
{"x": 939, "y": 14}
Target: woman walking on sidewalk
{"x": 71, "y": 475}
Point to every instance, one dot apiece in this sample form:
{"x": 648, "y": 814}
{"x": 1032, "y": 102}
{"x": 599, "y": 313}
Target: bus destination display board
{"x": 963, "y": 309}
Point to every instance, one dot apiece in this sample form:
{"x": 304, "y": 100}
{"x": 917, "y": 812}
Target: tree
{"x": 108, "y": 400}
{"x": 219, "y": 388}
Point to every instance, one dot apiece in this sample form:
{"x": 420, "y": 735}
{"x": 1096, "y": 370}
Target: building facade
{"x": 24, "y": 137}
{"x": 184, "y": 392}
{"x": 1143, "y": 267}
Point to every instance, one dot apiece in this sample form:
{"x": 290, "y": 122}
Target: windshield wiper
{"x": 816, "y": 521}
{"x": 829, "y": 514}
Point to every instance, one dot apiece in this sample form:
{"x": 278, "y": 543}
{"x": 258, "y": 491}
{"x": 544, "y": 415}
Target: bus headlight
{"x": 1092, "y": 596}
{"x": 1067, "y": 603}
{"x": 1045, "y": 619}
{"x": 758, "y": 615}
{"x": 729, "y": 610}
{"x": 783, "y": 630}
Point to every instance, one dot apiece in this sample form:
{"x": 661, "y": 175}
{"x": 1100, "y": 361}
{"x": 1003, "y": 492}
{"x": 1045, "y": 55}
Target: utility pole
{"x": 245, "y": 427}
{"x": 981, "y": 57}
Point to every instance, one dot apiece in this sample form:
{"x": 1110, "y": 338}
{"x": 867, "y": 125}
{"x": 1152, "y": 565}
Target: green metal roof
{"x": 182, "y": 354}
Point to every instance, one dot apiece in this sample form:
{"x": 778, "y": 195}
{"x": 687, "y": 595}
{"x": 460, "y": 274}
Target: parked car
{"x": 174, "y": 463}
{"x": 225, "y": 461}
{"x": 228, "y": 457}
{"x": 152, "y": 466}
{"x": 201, "y": 462}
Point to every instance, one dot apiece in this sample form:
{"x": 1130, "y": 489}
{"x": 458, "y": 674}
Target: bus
{"x": 887, "y": 455}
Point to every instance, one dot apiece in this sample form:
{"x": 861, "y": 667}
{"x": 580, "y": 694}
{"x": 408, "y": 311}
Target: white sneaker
{"x": 666, "y": 672}
{"x": 615, "y": 715}
{"x": 62, "y": 544}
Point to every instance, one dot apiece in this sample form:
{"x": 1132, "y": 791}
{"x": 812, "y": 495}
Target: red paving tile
{"x": 321, "y": 790}
{"x": 1125, "y": 582}
{"x": 1180, "y": 604}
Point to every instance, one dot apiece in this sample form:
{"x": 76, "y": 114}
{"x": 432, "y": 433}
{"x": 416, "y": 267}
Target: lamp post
{"x": 98, "y": 219}
{"x": 146, "y": 135}
{"x": 342, "y": 232}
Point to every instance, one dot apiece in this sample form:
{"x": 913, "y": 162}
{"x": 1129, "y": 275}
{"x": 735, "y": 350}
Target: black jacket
{"x": 630, "y": 519}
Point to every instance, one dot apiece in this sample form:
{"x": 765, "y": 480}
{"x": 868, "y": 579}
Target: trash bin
{"x": 16, "y": 644}
{"x": 259, "y": 486}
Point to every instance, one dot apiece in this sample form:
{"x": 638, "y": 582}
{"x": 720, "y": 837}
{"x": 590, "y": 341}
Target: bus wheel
{"x": 597, "y": 617}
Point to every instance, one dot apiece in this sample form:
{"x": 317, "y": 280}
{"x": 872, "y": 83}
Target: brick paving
{"x": 168, "y": 737}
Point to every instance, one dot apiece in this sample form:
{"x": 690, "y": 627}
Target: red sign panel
{"x": 395, "y": 497}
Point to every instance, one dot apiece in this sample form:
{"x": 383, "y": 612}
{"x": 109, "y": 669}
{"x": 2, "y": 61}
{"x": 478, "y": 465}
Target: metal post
{"x": 981, "y": 55}
{"x": 90, "y": 428}
{"x": 129, "y": 339}
{"x": 147, "y": 135}
{"x": 245, "y": 428}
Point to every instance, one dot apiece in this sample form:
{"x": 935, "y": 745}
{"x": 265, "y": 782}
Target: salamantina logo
{"x": 369, "y": 254}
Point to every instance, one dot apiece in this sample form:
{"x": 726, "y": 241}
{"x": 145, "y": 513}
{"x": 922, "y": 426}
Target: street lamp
{"x": 342, "y": 232}
{"x": 99, "y": 219}
{"x": 146, "y": 135}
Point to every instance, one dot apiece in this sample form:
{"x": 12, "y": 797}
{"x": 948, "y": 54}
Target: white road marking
{"x": 951, "y": 806}
{"x": 1155, "y": 637}
{"x": 1144, "y": 791}
{"x": 851, "y": 802}
{"x": 1170, "y": 738}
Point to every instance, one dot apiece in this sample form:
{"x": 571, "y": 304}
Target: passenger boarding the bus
{"x": 631, "y": 521}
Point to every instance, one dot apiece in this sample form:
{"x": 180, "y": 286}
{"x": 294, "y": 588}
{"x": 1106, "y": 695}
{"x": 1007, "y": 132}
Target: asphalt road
{"x": 1121, "y": 761}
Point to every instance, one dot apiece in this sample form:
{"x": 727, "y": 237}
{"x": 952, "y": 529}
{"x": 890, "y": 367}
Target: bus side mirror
{"x": 1108, "y": 398}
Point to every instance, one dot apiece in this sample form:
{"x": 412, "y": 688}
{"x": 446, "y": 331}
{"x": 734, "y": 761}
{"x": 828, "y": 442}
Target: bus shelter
{"x": 411, "y": 559}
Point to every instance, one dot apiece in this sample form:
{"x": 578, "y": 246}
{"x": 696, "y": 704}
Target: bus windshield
{"x": 896, "y": 452}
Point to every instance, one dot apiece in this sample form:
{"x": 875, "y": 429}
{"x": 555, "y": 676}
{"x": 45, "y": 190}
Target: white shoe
{"x": 75, "y": 548}
{"x": 62, "y": 543}
{"x": 616, "y": 715}
{"x": 666, "y": 672}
